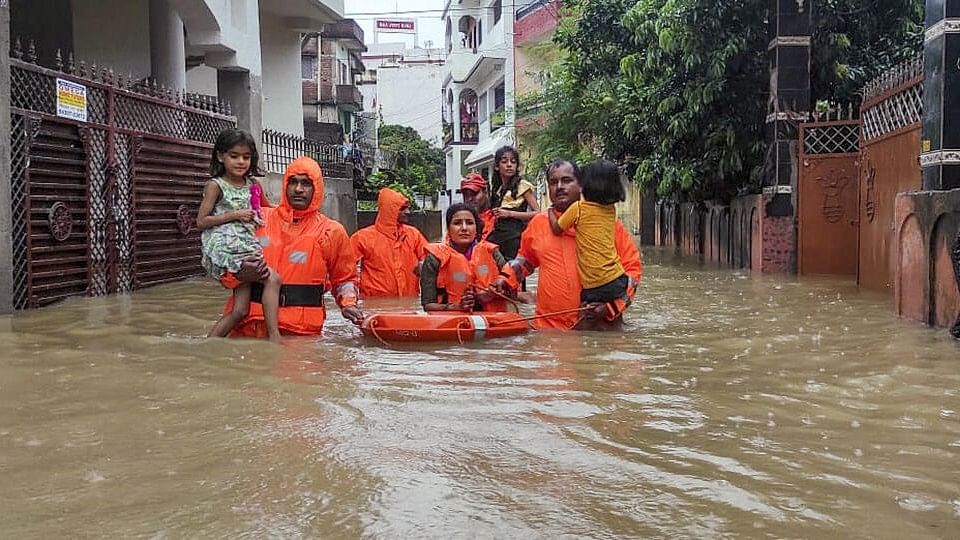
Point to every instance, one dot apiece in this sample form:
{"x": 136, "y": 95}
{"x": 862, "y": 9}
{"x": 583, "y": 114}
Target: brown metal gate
{"x": 827, "y": 198}
{"x": 105, "y": 204}
{"x": 891, "y": 113}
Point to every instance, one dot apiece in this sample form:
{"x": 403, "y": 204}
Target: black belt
{"x": 292, "y": 295}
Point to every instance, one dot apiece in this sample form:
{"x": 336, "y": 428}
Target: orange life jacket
{"x": 457, "y": 274}
{"x": 308, "y": 250}
{"x": 388, "y": 251}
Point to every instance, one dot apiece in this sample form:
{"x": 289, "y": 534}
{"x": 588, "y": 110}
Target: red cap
{"x": 473, "y": 182}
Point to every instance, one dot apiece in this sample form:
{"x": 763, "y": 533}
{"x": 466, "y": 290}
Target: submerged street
{"x": 732, "y": 405}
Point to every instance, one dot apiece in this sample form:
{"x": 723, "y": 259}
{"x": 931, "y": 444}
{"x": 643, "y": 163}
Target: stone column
{"x": 244, "y": 92}
{"x": 168, "y": 60}
{"x": 940, "y": 157}
{"x": 6, "y": 219}
{"x": 789, "y": 53}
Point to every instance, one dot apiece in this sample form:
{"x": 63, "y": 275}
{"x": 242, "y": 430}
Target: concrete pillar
{"x": 940, "y": 157}
{"x": 789, "y": 54}
{"x": 6, "y": 220}
{"x": 456, "y": 114}
{"x": 168, "y": 59}
{"x": 510, "y": 72}
{"x": 244, "y": 92}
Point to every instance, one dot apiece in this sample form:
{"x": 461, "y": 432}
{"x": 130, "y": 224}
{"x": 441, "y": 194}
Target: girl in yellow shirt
{"x": 514, "y": 204}
{"x": 601, "y": 275}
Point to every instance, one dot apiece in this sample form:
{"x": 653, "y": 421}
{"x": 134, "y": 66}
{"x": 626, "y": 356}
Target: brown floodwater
{"x": 731, "y": 406}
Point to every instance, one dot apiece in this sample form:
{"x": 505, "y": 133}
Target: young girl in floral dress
{"x": 228, "y": 218}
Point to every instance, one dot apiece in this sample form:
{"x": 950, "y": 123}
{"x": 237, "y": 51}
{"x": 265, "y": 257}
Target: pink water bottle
{"x": 256, "y": 192}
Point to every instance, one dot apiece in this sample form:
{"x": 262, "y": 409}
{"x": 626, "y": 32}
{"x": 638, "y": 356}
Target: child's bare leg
{"x": 271, "y": 305}
{"x": 241, "y": 307}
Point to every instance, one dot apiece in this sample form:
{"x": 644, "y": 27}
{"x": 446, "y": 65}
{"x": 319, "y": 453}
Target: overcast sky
{"x": 429, "y": 24}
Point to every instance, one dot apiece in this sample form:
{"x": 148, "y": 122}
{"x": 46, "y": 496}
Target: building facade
{"x": 113, "y": 108}
{"x": 243, "y": 52}
{"x": 478, "y": 88}
{"x": 403, "y": 87}
{"x": 331, "y": 66}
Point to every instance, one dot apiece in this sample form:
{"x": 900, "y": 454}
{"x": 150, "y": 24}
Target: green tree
{"x": 419, "y": 165}
{"x": 678, "y": 89}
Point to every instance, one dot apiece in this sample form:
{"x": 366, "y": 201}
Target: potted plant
{"x": 498, "y": 119}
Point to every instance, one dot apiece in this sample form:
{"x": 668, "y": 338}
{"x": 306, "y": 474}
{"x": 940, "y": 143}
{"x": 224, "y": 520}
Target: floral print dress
{"x": 225, "y": 246}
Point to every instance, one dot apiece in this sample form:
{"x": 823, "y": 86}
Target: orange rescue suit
{"x": 489, "y": 221}
{"x": 307, "y": 249}
{"x": 457, "y": 273}
{"x": 558, "y": 284}
{"x": 389, "y": 251}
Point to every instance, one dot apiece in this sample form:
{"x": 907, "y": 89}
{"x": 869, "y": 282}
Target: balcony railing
{"x": 447, "y": 133}
{"x": 349, "y": 96}
{"x": 469, "y": 132}
{"x": 278, "y": 149}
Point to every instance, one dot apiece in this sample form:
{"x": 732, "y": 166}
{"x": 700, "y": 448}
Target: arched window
{"x": 468, "y": 32}
{"x": 469, "y": 116}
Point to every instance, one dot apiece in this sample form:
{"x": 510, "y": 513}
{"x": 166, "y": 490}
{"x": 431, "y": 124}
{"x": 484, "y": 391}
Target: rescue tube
{"x": 457, "y": 327}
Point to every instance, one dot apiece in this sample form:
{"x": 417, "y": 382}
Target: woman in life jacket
{"x": 456, "y": 274}
{"x": 514, "y": 202}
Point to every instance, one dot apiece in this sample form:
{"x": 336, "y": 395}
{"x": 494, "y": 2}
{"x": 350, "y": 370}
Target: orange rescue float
{"x": 459, "y": 327}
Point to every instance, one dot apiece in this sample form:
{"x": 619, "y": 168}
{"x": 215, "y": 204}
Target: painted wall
{"x": 532, "y": 32}
{"x": 226, "y": 31}
{"x": 410, "y": 96}
{"x": 282, "y": 91}
{"x": 125, "y": 47}
{"x": 927, "y": 231}
{"x": 202, "y": 80}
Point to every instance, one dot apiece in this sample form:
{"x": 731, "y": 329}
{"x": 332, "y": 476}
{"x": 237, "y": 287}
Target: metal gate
{"x": 104, "y": 204}
{"x": 828, "y": 197}
{"x": 892, "y": 111}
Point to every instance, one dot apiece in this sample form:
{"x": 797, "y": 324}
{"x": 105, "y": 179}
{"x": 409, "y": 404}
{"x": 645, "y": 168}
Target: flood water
{"x": 732, "y": 406}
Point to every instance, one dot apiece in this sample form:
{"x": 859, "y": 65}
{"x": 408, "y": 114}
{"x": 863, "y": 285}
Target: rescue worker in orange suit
{"x": 310, "y": 251}
{"x": 476, "y": 194}
{"x": 390, "y": 249}
{"x": 558, "y": 286}
{"x": 456, "y": 275}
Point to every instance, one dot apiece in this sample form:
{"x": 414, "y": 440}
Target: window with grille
{"x": 308, "y": 68}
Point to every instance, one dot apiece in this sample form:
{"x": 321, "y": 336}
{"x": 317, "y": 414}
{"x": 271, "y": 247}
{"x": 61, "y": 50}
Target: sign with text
{"x": 396, "y": 26}
{"x": 71, "y": 100}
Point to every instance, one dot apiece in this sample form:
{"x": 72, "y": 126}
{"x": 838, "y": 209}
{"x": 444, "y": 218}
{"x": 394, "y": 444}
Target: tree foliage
{"x": 678, "y": 89}
{"x": 419, "y": 166}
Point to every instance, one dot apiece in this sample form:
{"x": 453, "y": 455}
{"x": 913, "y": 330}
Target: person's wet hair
{"x": 600, "y": 183}
{"x": 577, "y": 173}
{"x": 460, "y": 207}
{"x": 227, "y": 139}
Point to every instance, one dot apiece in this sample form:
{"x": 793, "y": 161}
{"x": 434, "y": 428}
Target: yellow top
{"x": 597, "y": 259}
{"x": 513, "y": 201}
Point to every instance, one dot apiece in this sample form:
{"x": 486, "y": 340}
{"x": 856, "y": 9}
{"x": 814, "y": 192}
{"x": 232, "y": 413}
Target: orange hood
{"x": 301, "y": 166}
{"x": 389, "y": 203}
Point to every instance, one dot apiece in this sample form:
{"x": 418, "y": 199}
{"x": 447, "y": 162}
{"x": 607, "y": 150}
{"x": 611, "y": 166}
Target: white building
{"x": 478, "y": 86}
{"x": 246, "y": 52}
{"x": 403, "y": 86}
